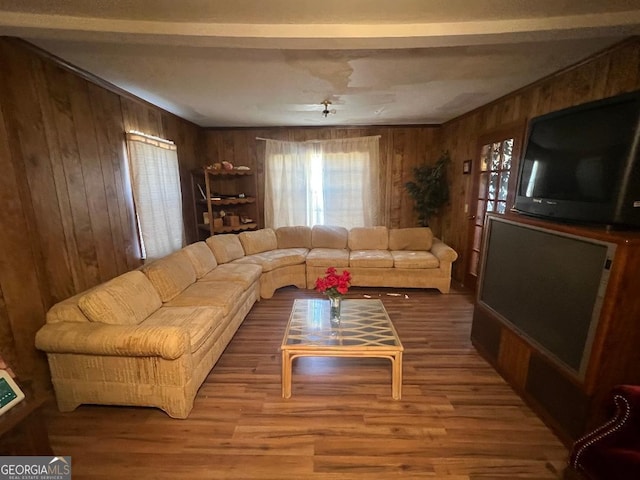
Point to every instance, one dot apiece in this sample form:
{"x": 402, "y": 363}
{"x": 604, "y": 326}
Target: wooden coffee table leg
{"x": 286, "y": 374}
{"x": 396, "y": 376}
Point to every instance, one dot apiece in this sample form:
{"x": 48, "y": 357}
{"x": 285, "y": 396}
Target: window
{"x": 332, "y": 182}
{"x": 155, "y": 180}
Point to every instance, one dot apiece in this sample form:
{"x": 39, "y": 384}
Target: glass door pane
{"x": 496, "y": 159}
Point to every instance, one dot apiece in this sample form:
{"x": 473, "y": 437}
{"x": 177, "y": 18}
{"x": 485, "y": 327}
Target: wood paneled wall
{"x": 67, "y": 220}
{"x": 612, "y": 72}
{"x": 401, "y": 150}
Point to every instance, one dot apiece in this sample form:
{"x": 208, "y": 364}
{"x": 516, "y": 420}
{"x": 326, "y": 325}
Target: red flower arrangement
{"x": 333, "y": 284}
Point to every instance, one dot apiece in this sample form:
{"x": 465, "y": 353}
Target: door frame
{"x": 517, "y": 131}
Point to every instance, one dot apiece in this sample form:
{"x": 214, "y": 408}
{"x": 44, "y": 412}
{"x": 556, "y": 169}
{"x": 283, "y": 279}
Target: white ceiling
{"x": 237, "y": 63}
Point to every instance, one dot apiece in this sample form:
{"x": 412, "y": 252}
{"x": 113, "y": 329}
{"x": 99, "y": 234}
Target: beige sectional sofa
{"x": 375, "y": 256}
{"x": 381, "y": 257}
{"x": 151, "y": 336}
{"x": 148, "y": 337}
{"x": 282, "y": 263}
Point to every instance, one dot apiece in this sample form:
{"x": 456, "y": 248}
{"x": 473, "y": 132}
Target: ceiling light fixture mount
{"x": 326, "y": 111}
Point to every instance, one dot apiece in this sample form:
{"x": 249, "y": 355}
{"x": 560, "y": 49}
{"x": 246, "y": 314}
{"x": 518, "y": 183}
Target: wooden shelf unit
{"x": 231, "y": 191}
{"x": 227, "y": 228}
{"x": 230, "y": 201}
{"x": 569, "y": 405}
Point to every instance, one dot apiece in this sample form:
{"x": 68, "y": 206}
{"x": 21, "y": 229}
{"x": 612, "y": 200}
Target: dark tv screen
{"x": 546, "y": 285}
{"x": 580, "y": 154}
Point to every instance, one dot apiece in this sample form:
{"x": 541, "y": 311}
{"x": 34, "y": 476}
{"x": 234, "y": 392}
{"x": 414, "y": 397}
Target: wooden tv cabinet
{"x": 568, "y": 404}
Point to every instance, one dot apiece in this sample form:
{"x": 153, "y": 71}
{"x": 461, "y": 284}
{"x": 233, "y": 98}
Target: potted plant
{"x": 430, "y": 190}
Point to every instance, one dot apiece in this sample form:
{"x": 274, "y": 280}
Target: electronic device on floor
{"x": 10, "y": 393}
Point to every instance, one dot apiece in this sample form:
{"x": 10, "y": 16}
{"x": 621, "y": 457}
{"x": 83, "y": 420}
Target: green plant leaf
{"x": 430, "y": 190}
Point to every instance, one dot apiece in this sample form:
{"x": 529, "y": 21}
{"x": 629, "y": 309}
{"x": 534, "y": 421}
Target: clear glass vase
{"x": 335, "y": 301}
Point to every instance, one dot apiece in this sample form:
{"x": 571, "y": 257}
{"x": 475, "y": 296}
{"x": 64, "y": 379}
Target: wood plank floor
{"x": 457, "y": 420}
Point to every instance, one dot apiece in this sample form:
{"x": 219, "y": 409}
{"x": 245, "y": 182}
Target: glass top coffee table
{"x": 365, "y": 331}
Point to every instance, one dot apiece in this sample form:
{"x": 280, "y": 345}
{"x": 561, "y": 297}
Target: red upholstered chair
{"x": 612, "y": 451}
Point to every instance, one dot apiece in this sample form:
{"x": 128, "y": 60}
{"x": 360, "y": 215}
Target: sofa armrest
{"x": 615, "y": 445}
{"x": 443, "y": 252}
{"x": 626, "y": 398}
{"x": 168, "y": 342}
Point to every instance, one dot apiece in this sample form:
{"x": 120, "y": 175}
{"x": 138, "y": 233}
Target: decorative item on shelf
{"x": 231, "y": 220}
{"x": 216, "y": 166}
{"x": 205, "y": 218}
{"x": 334, "y": 286}
{"x": 227, "y": 165}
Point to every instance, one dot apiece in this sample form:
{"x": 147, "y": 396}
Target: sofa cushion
{"x": 170, "y": 275}
{"x": 281, "y": 257}
{"x": 327, "y": 236}
{"x": 68, "y": 310}
{"x": 225, "y": 248}
{"x": 225, "y": 295}
{"x": 416, "y": 238}
{"x": 368, "y": 238}
{"x": 370, "y": 258}
{"x": 328, "y": 257}
{"x": 125, "y": 300}
{"x": 413, "y": 259}
{"x": 199, "y": 322}
{"x": 245, "y": 274}
{"x": 294, "y": 237}
{"x": 258, "y": 241}
{"x": 201, "y": 258}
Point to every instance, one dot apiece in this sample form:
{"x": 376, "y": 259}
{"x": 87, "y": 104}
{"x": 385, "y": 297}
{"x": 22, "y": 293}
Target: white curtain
{"x": 155, "y": 179}
{"x": 332, "y": 182}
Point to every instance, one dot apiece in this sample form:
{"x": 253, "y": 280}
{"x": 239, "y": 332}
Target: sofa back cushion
{"x": 125, "y": 300}
{"x": 369, "y": 238}
{"x": 327, "y": 236}
{"x": 170, "y": 275}
{"x": 417, "y": 238}
{"x": 226, "y": 247}
{"x": 201, "y": 258}
{"x": 259, "y": 241}
{"x": 68, "y": 310}
{"x": 294, "y": 237}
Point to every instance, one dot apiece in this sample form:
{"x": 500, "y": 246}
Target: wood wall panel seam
{"x": 72, "y": 225}
{"x": 60, "y": 256}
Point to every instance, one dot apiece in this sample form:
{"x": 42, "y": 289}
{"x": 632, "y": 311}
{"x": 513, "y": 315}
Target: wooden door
{"x": 494, "y": 186}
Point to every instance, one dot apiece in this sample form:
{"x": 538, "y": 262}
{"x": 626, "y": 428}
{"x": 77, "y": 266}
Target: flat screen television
{"x": 547, "y": 285}
{"x": 582, "y": 164}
